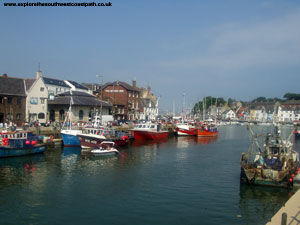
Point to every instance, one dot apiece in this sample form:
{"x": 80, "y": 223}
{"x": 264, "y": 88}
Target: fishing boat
{"x": 106, "y": 148}
{"x": 207, "y": 131}
{"x": 69, "y": 133}
{"x": 149, "y": 131}
{"x": 270, "y": 161}
{"x": 186, "y": 129}
{"x": 92, "y": 137}
{"x": 20, "y": 144}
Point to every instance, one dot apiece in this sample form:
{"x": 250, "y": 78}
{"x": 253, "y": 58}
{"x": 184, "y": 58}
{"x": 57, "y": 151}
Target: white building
{"x": 228, "y": 115}
{"x": 42, "y": 89}
{"x": 36, "y": 100}
{"x": 289, "y": 111}
{"x": 150, "y": 109}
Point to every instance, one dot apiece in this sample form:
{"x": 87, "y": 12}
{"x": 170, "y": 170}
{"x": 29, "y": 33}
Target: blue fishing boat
{"x": 68, "y": 133}
{"x": 16, "y": 146}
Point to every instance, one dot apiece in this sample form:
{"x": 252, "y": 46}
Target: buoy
{"x": 291, "y": 180}
{"x": 27, "y": 142}
{"x": 292, "y": 175}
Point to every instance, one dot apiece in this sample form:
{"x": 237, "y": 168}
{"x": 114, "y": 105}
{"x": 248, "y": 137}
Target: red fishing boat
{"x": 207, "y": 131}
{"x": 149, "y": 131}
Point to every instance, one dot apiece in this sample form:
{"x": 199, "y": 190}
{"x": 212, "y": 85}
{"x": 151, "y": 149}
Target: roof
{"x": 123, "y": 84}
{"x": 77, "y": 85}
{"x": 79, "y": 99}
{"x": 76, "y": 93}
{"x": 91, "y": 86}
{"x": 145, "y": 103}
{"x": 56, "y": 82}
{"x": 12, "y": 86}
{"x": 29, "y": 83}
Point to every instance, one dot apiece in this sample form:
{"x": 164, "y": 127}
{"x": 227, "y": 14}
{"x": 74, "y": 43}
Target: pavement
{"x": 292, "y": 209}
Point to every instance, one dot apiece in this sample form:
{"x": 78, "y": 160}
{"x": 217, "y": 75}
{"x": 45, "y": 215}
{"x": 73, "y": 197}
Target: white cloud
{"x": 239, "y": 46}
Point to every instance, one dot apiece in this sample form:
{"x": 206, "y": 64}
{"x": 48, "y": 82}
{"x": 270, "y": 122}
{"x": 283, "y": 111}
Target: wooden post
{"x": 283, "y": 219}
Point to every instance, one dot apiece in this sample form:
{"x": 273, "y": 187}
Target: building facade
{"x": 125, "y": 99}
{"x": 84, "y": 107}
{"x": 12, "y": 100}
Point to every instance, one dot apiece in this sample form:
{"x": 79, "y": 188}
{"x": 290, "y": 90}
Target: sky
{"x": 185, "y": 50}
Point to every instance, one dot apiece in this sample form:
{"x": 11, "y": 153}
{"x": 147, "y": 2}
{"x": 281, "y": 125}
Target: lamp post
{"x": 100, "y": 96}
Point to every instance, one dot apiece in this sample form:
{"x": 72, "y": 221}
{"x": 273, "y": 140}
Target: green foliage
{"x": 198, "y": 107}
{"x": 264, "y": 99}
{"x": 292, "y": 96}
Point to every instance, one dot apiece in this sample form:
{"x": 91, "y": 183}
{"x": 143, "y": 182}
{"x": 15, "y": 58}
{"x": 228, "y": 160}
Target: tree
{"x": 292, "y": 96}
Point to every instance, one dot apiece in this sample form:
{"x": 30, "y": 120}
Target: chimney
{"x": 134, "y": 82}
{"x": 4, "y": 75}
{"x": 149, "y": 90}
{"x": 38, "y": 74}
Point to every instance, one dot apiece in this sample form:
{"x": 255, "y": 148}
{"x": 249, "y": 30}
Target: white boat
{"x": 185, "y": 129}
{"x": 106, "y": 148}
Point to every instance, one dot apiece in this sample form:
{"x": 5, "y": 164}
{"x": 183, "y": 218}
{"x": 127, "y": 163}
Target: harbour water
{"x": 185, "y": 180}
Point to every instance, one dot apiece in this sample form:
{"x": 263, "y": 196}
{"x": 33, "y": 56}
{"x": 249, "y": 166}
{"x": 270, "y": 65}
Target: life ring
{"x": 4, "y": 141}
{"x": 124, "y": 138}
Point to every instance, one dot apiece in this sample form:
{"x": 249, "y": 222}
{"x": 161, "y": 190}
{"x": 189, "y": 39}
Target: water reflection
{"x": 206, "y": 140}
{"x": 68, "y": 151}
{"x": 15, "y": 170}
{"x": 259, "y": 203}
{"x": 152, "y": 143}
{"x": 185, "y": 141}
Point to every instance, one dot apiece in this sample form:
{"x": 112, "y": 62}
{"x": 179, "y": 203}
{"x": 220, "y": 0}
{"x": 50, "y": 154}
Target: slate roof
{"x": 29, "y": 83}
{"x": 77, "y": 85}
{"x": 12, "y": 86}
{"x": 79, "y": 99}
{"x": 56, "y": 82}
{"x": 123, "y": 84}
{"x": 76, "y": 93}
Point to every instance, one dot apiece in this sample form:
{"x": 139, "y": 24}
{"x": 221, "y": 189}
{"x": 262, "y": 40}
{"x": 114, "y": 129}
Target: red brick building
{"x": 125, "y": 99}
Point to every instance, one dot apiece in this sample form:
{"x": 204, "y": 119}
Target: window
{"x": 80, "y": 115}
{"x": 19, "y": 100}
{"x": 41, "y": 116}
{"x": 61, "y": 114}
{"x": 9, "y": 100}
{"x": 1, "y": 100}
{"x": 33, "y": 100}
{"x": 42, "y": 89}
{"x": 19, "y": 116}
{"x": 42, "y": 100}
{"x": 129, "y": 93}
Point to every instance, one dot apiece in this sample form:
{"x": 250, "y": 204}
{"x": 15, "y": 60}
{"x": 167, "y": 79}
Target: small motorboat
{"x": 106, "y": 148}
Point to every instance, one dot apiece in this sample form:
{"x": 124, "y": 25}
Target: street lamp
{"x": 100, "y": 96}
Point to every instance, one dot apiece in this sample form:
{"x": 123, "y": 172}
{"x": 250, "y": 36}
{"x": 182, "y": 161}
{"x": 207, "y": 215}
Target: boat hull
{"x": 207, "y": 133}
{"x": 70, "y": 140}
{"x": 256, "y": 179}
{"x": 148, "y": 135}
{"x": 94, "y": 142}
{"x": 185, "y": 132}
{"x": 12, "y": 152}
{"x": 104, "y": 152}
